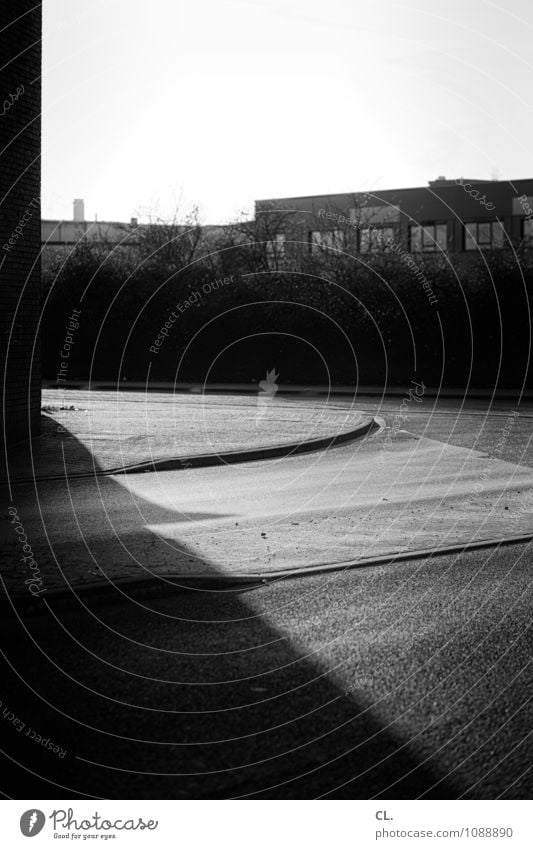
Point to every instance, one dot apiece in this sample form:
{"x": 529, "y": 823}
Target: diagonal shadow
{"x": 186, "y": 694}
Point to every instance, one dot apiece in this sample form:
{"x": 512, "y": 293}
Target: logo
{"x": 267, "y": 390}
{"x": 32, "y": 822}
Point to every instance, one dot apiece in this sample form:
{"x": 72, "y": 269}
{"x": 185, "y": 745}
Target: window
{"x": 484, "y": 235}
{"x": 375, "y": 239}
{"x": 275, "y": 250}
{"x": 276, "y": 246}
{"x": 319, "y": 239}
{"x": 527, "y": 232}
{"x": 429, "y": 238}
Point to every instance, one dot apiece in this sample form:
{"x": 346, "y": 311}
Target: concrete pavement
{"x": 84, "y": 433}
{"x": 379, "y": 683}
{"x": 375, "y": 497}
{"x": 398, "y": 680}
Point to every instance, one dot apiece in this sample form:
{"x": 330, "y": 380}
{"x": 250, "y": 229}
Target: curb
{"x": 232, "y": 457}
{"x": 205, "y": 460}
{"x": 107, "y": 591}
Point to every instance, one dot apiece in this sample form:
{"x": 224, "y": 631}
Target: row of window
{"x": 430, "y": 238}
{"x": 484, "y": 235}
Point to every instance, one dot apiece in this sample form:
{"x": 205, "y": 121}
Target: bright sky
{"x": 218, "y": 102}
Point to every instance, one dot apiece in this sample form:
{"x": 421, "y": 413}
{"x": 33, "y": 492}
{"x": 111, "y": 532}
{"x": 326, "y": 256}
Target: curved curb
{"x": 205, "y": 460}
{"x": 232, "y": 457}
{"x": 159, "y": 585}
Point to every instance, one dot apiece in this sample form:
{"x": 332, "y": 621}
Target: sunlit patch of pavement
{"x": 346, "y": 505}
{"x": 262, "y": 519}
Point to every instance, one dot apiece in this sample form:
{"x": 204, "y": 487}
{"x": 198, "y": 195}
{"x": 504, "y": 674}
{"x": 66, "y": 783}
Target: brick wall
{"x": 20, "y": 229}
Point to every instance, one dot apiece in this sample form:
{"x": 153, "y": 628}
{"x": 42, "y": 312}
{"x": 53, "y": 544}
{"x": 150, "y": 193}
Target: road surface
{"x": 393, "y": 683}
{"x": 396, "y": 490}
{"x": 396, "y": 680}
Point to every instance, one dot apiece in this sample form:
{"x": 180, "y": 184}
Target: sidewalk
{"x": 64, "y": 530}
{"x": 216, "y": 528}
{"x": 84, "y": 432}
{"x": 151, "y": 533}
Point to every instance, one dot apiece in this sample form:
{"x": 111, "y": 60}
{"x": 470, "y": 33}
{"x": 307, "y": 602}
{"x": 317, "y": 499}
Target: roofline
{"x": 376, "y": 192}
{"x": 71, "y": 221}
{"x": 127, "y": 223}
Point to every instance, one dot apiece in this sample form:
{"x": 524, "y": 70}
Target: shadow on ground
{"x": 184, "y": 695}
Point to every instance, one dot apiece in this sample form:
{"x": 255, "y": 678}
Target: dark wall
{"x": 20, "y": 228}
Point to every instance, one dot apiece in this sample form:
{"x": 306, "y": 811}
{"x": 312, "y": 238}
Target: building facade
{"x": 451, "y": 216}
{"x": 68, "y": 233}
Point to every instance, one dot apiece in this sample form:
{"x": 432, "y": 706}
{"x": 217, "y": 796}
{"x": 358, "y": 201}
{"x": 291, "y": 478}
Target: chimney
{"x": 79, "y": 210}
{"x": 441, "y": 181}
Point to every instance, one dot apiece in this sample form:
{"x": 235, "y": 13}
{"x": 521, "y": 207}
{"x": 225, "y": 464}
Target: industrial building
{"x": 447, "y": 216}
{"x": 68, "y": 233}
{"x": 451, "y": 216}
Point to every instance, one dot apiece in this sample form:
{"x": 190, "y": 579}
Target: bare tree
{"x": 266, "y": 238}
{"x": 170, "y": 243}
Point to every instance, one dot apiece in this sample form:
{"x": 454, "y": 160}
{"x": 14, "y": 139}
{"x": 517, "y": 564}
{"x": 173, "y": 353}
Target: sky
{"x": 153, "y": 107}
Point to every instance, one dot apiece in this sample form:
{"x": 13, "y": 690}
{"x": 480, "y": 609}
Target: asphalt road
{"x": 379, "y": 682}
{"x": 408, "y": 487}
{"x": 399, "y": 680}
